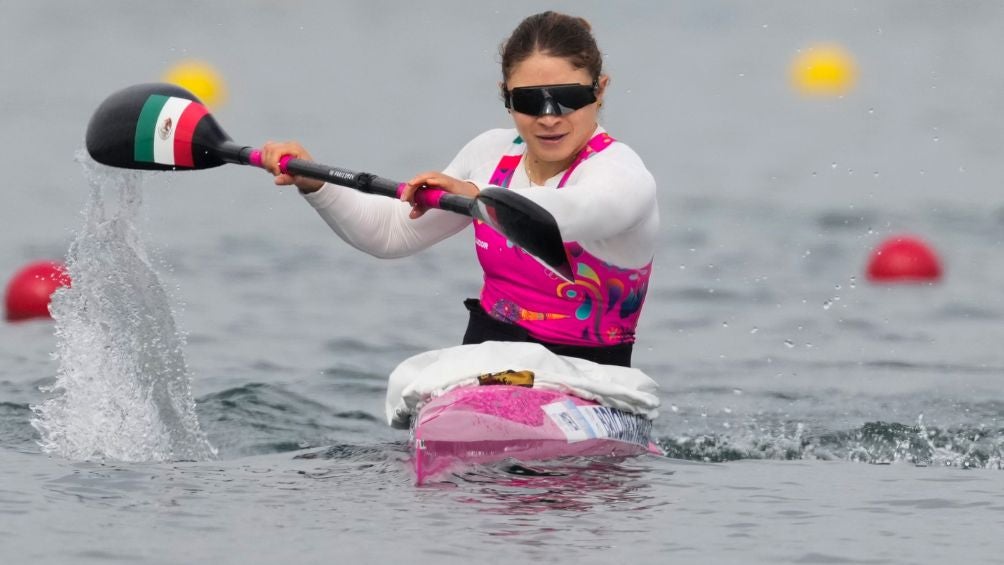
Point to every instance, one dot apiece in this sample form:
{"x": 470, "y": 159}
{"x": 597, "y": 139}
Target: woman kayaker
{"x": 598, "y": 190}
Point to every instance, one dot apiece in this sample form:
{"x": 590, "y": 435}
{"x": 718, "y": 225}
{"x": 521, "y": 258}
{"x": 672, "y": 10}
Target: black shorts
{"x": 481, "y": 328}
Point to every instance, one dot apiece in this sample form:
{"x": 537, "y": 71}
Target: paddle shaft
{"x": 364, "y": 182}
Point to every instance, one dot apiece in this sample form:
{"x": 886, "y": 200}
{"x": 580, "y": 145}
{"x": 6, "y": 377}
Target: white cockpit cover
{"x": 427, "y": 375}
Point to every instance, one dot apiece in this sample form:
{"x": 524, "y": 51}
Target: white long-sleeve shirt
{"x": 608, "y": 205}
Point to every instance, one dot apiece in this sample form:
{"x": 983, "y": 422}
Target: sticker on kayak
{"x": 580, "y": 423}
{"x": 569, "y": 419}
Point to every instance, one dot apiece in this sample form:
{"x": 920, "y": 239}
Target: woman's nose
{"x": 548, "y": 120}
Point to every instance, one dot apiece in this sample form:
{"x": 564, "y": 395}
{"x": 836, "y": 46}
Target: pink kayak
{"x": 484, "y": 424}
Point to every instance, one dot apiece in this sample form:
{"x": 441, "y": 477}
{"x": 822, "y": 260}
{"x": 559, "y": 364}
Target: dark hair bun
{"x": 554, "y": 34}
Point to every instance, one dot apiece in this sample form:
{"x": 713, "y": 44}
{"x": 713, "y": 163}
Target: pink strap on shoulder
{"x": 505, "y": 169}
{"x": 598, "y": 143}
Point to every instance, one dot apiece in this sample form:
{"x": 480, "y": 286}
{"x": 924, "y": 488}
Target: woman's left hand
{"x": 439, "y": 181}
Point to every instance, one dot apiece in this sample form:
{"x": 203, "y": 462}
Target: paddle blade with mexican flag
{"x": 156, "y": 126}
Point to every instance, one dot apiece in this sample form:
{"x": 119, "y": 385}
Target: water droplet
{"x": 674, "y": 408}
{"x": 754, "y": 330}
{"x": 789, "y": 344}
{"x": 853, "y": 282}
{"x": 737, "y": 391}
{"x": 827, "y": 304}
{"x": 725, "y": 324}
{"x": 833, "y": 165}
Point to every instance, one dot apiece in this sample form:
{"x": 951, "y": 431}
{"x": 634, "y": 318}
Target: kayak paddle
{"x": 163, "y": 127}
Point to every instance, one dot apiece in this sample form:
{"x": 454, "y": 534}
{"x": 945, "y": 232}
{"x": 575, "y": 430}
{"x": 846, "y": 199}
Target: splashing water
{"x": 123, "y": 390}
{"x": 965, "y": 446}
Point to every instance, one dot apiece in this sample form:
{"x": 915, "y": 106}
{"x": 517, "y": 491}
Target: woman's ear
{"x": 601, "y": 89}
{"x": 502, "y": 94}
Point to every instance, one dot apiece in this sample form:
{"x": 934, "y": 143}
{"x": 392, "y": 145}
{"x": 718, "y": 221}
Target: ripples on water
{"x": 260, "y": 418}
{"x": 875, "y": 442}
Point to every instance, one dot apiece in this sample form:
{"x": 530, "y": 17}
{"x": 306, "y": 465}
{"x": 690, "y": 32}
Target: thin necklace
{"x": 526, "y": 167}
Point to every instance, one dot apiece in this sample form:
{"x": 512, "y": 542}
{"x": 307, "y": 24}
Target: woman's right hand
{"x": 272, "y": 152}
{"x": 435, "y": 180}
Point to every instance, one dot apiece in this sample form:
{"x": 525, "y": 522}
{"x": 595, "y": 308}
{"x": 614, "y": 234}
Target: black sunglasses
{"x": 551, "y": 99}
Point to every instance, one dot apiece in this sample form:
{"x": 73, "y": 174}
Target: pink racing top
{"x": 600, "y": 308}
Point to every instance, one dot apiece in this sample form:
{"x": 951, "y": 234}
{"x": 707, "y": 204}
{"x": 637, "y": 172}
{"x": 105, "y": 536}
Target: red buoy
{"x": 30, "y": 289}
{"x": 903, "y": 259}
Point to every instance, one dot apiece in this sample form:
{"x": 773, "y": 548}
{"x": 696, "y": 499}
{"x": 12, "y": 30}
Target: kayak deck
{"x": 484, "y": 424}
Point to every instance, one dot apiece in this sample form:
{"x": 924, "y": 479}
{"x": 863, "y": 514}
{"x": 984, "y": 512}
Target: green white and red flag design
{"x": 165, "y": 128}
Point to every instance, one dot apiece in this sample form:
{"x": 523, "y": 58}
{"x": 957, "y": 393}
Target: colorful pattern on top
{"x": 600, "y": 308}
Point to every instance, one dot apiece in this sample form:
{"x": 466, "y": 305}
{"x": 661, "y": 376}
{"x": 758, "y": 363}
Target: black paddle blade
{"x": 526, "y": 224}
{"x": 155, "y": 126}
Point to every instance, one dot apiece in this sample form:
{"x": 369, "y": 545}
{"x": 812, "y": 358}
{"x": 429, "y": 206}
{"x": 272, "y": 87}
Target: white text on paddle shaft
{"x": 341, "y": 174}
{"x": 481, "y": 243}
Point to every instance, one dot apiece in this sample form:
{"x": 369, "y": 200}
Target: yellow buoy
{"x": 824, "y": 69}
{"x": 199, "y": 78}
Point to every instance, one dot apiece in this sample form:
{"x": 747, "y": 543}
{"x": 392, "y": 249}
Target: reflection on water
{"x": 577, "y": 485}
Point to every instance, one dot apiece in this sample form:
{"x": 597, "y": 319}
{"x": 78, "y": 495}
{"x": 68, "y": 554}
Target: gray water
{"x": 811, "y": 416}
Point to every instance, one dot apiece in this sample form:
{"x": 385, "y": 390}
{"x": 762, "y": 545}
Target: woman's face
{"x": 554, "y": 139}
